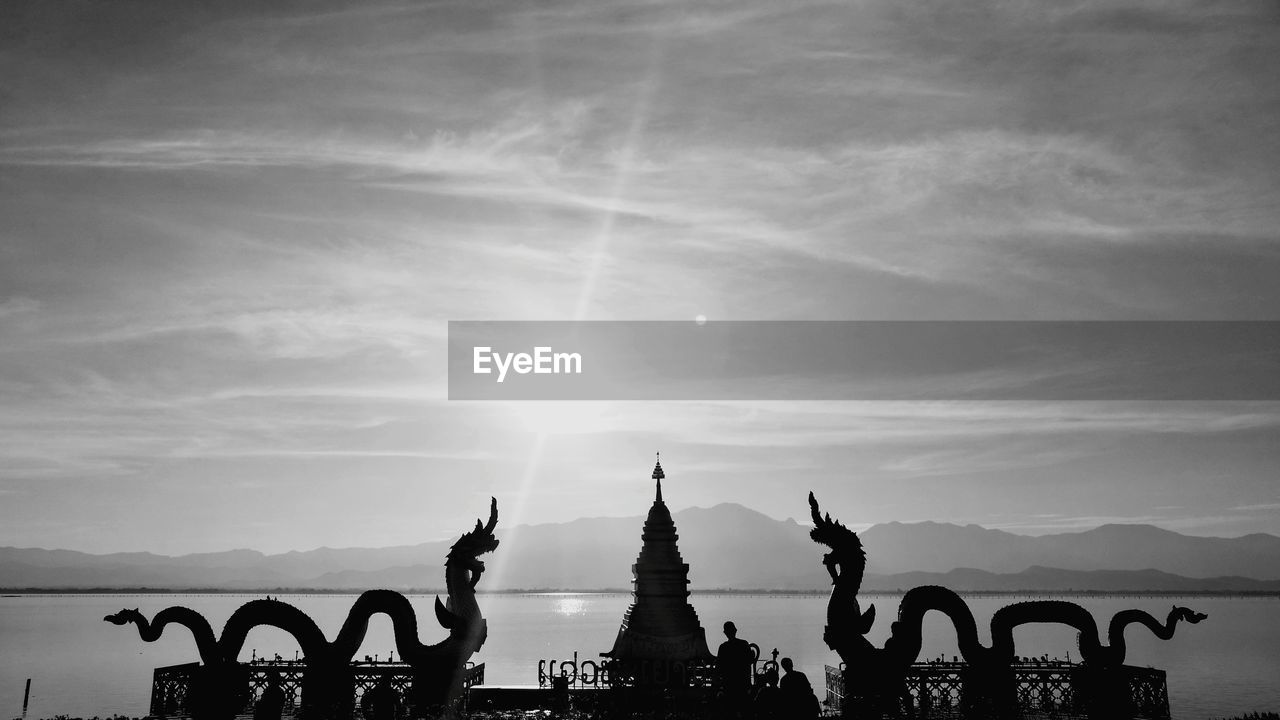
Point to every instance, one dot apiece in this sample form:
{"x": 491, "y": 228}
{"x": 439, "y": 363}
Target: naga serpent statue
{"x": 878, "y": 674}
{"x": 221, "y": 686}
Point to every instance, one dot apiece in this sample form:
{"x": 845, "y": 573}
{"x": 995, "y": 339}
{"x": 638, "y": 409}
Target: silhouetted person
{"x": 734, "y": 666}
{"x": 381, "y": 702}
{"x": 798, "y": 699}
{"x": 765, "y": 701}
{"x": 271, "y": 705}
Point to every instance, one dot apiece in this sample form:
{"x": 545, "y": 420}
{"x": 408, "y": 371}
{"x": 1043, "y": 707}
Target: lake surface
{"x": 1227, "y": 665}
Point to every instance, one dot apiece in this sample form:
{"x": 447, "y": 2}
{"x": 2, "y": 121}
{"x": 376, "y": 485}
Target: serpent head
{"x": 126, "y": 616}
{"x": 1186, "y": 615}
{"x": 844, "y": 543}
{"x": 479, "y": 541}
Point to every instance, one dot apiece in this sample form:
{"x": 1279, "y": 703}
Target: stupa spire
{"x": 660, "y": 624}
{"x": 658, "y": 475}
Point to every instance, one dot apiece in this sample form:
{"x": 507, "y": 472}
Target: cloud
{"x": 952, "y": 462}
{"x": 1257, "y": 507}
{"x": 233, "y": 235}
{"x": 1181, "y": 523}
{"x": 17, "y": 306}
{"x": 486, "y": 154}
{"x": 851, "y": 423}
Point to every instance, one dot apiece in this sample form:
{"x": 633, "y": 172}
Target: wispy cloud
{"x": 230, "y": 247}
{"x": 17, "y": 306}
{"x": 817, "y": 424}
{"x": 1257, "y": 507}
{"x": 1188, "y": 524}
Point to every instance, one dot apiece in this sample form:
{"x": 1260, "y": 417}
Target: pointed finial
{"x": 658, "y": 475}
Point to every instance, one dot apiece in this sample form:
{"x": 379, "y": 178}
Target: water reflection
{"x": 80, "y": 665}
{"x": 571, "y": 606}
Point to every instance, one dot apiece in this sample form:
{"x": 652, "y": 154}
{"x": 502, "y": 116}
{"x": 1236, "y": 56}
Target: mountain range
{"x": 727, "y": 547}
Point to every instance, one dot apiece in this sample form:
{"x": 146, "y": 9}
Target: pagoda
{"x": 660, "y": 626}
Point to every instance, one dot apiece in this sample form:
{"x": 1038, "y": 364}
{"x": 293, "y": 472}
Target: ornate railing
{"x": 608, "y": 673}
{"x": 589, "y": 674}
{"x": 665, "y": 673}
{"x": 1046, "y": 689}
{"x": 170, "y": 686}
{"x": 835, "y": 687}
{"x": 575, "y": 673}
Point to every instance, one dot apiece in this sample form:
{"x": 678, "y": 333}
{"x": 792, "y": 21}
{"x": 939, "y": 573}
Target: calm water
{"x": 80, "y": 665}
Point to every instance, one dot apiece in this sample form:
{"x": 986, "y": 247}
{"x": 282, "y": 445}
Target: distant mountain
{"x": 1036, "y": 579}
{"x": 1045, "y": 579}
{"x": 727, "y": 547}
{"x": 937, "y": 547}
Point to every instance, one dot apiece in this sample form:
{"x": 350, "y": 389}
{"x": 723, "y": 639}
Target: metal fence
{"x": 607, "y": 672}
{"x": 1052, "y": 689}
{"x": 171, "y": 685}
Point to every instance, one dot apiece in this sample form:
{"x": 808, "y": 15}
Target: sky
{"x": 232, "y": 236}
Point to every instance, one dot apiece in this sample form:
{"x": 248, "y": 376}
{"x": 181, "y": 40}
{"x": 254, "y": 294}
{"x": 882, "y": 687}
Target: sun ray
{"x": 515, "y": 514}
{"x": 626, "y": 160}
{"x": 600, "y": 250}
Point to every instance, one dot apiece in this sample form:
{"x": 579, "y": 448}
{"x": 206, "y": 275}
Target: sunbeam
{"x": 600, "y": 249}
{"x": 626, "y": 159}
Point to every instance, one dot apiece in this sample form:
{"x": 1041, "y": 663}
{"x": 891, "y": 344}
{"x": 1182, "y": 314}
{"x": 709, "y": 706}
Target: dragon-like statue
{"x": 877, "y": 675}
{"x": 438, "y": 670}
{"x": 219, "y": 688}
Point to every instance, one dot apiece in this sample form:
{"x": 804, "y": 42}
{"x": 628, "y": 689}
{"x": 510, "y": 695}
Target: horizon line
{"x": 856, "y": 527}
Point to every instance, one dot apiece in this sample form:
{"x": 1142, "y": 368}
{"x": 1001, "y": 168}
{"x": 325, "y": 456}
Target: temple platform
{"x": 530, "y": 697}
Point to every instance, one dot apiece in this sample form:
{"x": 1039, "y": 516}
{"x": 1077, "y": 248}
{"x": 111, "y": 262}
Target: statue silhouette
{"x": 875, "y": 678}
{"x": 220, "y": 689}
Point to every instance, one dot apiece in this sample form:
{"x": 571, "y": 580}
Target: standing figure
{"x": 271, "y": 705}
{"x": 734, "y": 668}
{"x": 381, "y": 702}
{"x": 798, "y": 698}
